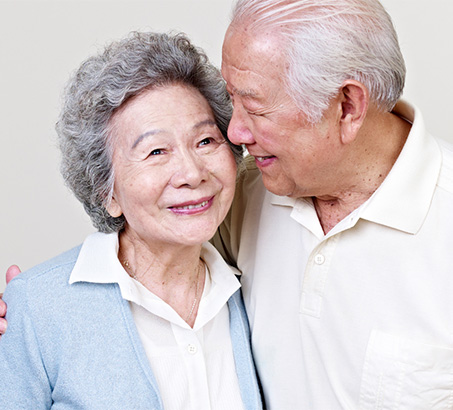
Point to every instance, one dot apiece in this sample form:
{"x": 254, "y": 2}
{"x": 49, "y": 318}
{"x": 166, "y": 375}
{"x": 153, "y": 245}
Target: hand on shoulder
{"x": 11, "y": 273}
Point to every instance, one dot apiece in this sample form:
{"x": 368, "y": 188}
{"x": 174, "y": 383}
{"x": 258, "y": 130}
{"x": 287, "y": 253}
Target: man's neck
{"x": 331, "y": 212}
{"x": 368, "y": 166}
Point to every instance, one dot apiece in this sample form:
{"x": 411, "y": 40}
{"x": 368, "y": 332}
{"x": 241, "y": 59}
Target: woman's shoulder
{"x": 44, "y": 293}
{"x": 57, "y": 269}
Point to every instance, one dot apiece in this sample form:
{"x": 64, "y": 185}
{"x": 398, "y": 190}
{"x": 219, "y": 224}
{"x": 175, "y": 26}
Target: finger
{"x": 3, "y": 326}
{"x": 12, "y": 272}
{"x": 2, "y": 306}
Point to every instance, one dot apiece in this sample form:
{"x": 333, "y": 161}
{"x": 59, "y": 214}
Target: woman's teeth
{"x": 200, "y": 205}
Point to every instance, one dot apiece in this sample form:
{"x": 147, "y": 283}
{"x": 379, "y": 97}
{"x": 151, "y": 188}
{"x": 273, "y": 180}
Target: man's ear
{"x": 355, "y": 99}
{"x": 114, "y": 208}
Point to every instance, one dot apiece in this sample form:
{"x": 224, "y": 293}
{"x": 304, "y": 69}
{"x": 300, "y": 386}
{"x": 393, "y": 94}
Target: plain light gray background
{"x": 42, "y": 42}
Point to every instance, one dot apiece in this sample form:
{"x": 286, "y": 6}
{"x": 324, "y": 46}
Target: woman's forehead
{"x": 167, "y": 109}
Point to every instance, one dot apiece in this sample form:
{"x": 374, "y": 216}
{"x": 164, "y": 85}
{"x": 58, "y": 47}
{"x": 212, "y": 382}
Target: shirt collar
{"x": 403, "y": 199}
{"x": 98, "y": 263}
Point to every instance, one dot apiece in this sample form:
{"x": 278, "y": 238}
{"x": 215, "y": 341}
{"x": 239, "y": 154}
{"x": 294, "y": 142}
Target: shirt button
{"x": 319, "y": 259}
{"x": 192, "y": 349}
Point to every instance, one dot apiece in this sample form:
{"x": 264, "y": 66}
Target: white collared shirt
{"x": 360, "y": 318}
{"x": 194, "y": 368}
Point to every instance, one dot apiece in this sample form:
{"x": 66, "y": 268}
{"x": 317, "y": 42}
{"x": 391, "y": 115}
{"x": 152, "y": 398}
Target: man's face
{"x": 295, "y": 158}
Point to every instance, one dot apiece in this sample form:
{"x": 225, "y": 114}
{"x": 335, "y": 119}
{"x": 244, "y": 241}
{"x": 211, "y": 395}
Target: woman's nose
{"x": 190, "y": 171}
{"x": 238, "y": 130}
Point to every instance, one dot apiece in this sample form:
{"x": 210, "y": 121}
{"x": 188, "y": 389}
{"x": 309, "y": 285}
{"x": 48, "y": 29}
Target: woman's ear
{"x": 114, "y": 208}
{"x": 354, "y": 104}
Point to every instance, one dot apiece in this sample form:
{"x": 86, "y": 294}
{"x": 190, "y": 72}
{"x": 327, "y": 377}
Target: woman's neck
{"x": 175, "y": 274}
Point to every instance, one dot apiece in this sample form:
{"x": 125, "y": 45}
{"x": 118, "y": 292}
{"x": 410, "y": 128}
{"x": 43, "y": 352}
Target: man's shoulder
{"x": 249, "y": 179}
{"x": 248, "y": 169}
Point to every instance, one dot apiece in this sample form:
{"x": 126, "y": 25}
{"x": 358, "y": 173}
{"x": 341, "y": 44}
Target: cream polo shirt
{"x": 194, "y": 368}
{"x": 360, "y": 318}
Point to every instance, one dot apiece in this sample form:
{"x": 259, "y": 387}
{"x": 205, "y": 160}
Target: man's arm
{"x": 12, "y": 272}
{"x": 228, "y": 236}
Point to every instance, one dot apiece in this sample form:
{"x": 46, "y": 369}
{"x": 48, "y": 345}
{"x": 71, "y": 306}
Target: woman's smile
{"x": 192, "y": 207}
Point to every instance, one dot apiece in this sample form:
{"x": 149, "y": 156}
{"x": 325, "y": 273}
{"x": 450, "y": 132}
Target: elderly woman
{"x": 145, "y": 314}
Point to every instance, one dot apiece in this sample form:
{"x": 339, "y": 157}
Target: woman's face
{"x": 174, "y": 173}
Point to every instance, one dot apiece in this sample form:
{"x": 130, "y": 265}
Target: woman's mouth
{"x": 192, "y": 207}
{"x": 196, "y": 206}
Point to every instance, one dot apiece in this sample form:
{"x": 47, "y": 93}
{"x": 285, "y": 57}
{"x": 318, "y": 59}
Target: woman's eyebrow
{"x": 205, "y": 122}
{"x": 145, "y": 135}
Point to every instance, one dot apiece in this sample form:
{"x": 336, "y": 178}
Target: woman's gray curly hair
{"x": 106, "y": 81}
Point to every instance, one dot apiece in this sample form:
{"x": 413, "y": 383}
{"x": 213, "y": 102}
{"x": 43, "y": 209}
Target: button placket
{"x": 192, "y": 349}
{"x": 188, "y": 340}
{"x": 315, "y": 277}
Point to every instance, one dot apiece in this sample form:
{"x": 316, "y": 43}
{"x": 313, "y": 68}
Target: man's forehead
{"x": 251, "y": 63}
{"x": 244, "y": 82}
{"x": 252, "y": 83}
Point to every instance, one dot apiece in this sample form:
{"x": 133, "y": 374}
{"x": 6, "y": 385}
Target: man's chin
{"x": 277, "y": 186}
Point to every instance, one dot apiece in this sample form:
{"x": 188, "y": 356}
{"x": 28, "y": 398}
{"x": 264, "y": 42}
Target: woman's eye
{"x": 205, "y": 141}
{"x": 157, "y": 151}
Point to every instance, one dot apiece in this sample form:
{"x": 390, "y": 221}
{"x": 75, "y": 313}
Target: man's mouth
{"x": 261, "y": 159}
{"x": 264, "y": 161}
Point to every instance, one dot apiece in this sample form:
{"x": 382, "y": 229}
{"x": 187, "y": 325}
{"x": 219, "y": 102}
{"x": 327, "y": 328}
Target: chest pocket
{"x": 403, "y": 374}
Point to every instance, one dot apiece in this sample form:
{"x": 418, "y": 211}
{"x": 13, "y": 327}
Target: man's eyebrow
{"x": 245, "y": 93}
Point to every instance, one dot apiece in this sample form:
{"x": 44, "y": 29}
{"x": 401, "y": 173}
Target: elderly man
{"x": 347, "y": 263}
{"x": 345, "y": 256}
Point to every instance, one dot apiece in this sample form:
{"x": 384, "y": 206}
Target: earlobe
{"x": 114, "y": 208}
{"x": 354, "y": 106}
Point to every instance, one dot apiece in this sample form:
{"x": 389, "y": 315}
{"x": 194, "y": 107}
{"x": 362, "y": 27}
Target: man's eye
{"x": 251, "y": 112}
{"x": 157, "y": 151}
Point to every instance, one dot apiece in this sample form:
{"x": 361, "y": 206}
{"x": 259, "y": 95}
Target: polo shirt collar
{"x": 403, "y": 199}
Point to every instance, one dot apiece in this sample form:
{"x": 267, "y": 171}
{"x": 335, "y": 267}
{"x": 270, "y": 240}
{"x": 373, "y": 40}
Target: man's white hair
{"x": 328, "y": 42}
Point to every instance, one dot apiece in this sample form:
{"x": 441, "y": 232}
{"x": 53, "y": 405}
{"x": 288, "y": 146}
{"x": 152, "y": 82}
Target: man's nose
{"x": 238, "y": 130}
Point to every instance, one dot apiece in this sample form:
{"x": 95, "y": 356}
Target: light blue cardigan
{"x": 76, "y": 346}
